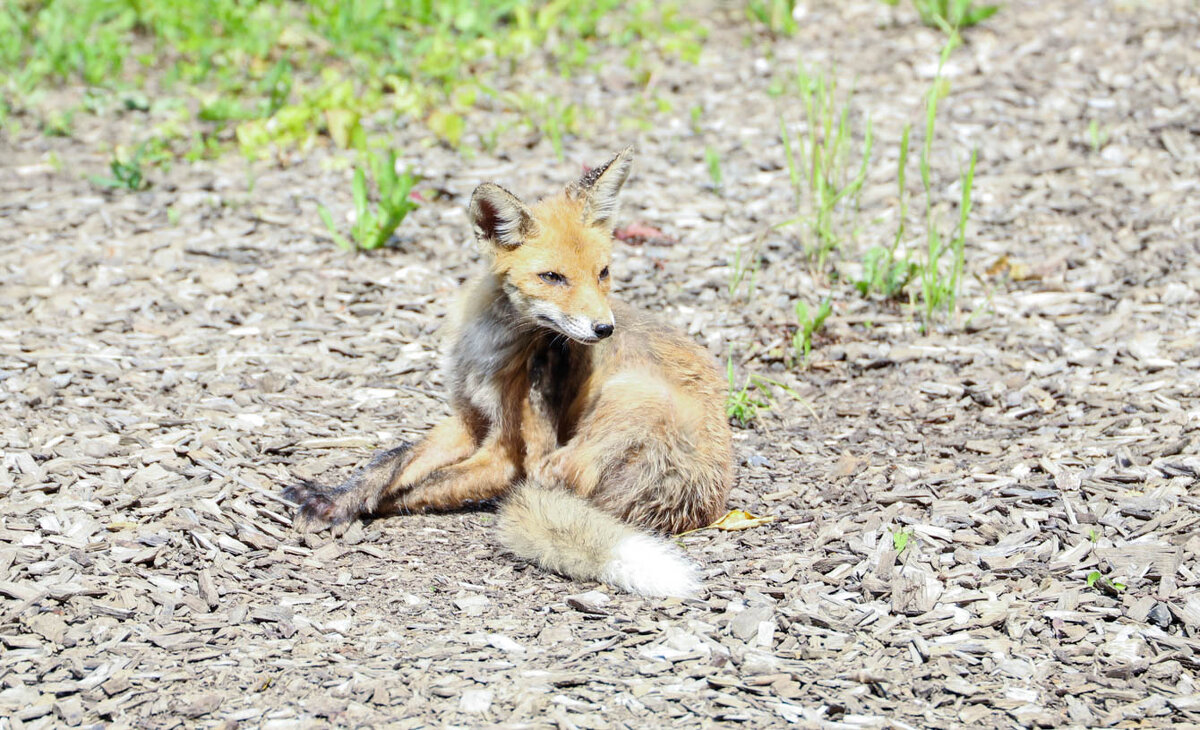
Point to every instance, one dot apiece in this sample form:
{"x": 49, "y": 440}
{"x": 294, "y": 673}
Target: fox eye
{"x": 552, "y": 277}
{"x": 604, "y": 273}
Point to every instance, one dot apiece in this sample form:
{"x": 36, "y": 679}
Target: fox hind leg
{"x": 320, "y": 507}
{"x": 373, "y": 487}
{"x": 486, "y": 474}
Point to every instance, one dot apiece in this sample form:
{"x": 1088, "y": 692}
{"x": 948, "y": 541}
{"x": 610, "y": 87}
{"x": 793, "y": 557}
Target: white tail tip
{"x": 649, "y": 566}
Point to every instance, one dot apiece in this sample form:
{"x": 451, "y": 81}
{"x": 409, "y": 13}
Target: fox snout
{"x": 583, "y": 329}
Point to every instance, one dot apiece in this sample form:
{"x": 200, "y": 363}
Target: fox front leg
{"x": 548, "y": 370}
{"x": 539, "y": 427}
{"x": 373, "y": 486}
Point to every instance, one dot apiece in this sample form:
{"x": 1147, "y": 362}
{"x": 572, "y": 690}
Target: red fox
{"x": 587, "y": 419}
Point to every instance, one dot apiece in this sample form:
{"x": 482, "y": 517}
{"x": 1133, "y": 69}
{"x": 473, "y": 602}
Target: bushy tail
{"x": 563, "y": 533}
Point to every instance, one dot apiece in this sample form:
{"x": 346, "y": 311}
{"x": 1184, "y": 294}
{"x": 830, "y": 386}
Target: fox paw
{"x": 316, "y": 507}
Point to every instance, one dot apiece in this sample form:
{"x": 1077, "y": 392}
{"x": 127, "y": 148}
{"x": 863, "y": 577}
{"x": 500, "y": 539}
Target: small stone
{"x": 757, "y": 460}
{"x": 472, "y": 605}
{"x": 590, "y": 602}
{"x": 70, "y": 710}
{"x": 552, "y": 635}
{"x": 1159, "y": 615}
{"x": 760, "y": 662}
{"x": 380, "y": 695}
{"x": 222, "y": 282}
{"x": 202, "y": 705}
{"x": 475, "y": 701}
{"x": 745, "y": 624}
{"x": 503, "y": 643}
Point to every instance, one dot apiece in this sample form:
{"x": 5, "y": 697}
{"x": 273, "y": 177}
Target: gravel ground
{"x": 169, "y": 360}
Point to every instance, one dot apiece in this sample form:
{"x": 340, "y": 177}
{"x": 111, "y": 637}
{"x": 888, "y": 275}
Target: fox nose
{"x": 602, "y": 329}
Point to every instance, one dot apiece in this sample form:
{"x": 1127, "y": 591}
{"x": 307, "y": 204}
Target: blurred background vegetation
{"x": 261, "y": 75}
{"x": 265, "y": 73}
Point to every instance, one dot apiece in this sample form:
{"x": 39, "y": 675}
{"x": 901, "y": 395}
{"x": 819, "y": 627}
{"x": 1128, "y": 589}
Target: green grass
{"x": 741, "y": 405}
{"x": 374, "y": 223}
{"x": 808, "y": 323}
{"x": 713, "y": 159}
{"x": 286, "y": 73}
{"x": 950, "y": 15}
{"x": 743, "y": 272}
{"x": 882, "y": 271}
{"x": 127, "y": 172}
{"x": 825, "y": 181}
{"x": 937, "y": 266}
{"x": 1097, "y": 136}
{"x": 775, "y": 15}
{"x": 940, "y": 274}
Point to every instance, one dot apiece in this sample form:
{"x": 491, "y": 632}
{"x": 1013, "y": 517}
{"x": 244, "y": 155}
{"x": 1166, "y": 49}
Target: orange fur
{"x": 554, "y": 385}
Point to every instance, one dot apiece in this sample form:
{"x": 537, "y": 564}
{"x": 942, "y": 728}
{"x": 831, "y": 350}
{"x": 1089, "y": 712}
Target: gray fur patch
{"x": 485, "y": 346}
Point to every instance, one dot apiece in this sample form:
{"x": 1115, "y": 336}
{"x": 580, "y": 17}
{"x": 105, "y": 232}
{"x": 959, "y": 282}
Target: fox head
{"x": 552, "y": 258}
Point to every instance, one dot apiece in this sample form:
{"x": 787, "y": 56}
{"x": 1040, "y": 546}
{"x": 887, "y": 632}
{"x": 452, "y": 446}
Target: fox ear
{"x": 499, "y": 217}
{"x": 599, "y": 186}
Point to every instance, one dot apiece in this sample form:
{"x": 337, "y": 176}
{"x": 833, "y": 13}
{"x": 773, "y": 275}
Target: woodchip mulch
{"x": 162, "y": 377}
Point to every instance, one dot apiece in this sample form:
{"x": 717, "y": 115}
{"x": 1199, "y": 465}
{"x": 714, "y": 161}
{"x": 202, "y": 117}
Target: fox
{"x": 597, "y": 429}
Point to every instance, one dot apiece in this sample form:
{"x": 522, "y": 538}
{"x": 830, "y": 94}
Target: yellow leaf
{"x": 447, "y": 125}
{"x": 739, "y": 519}
{"x": 342, "y": 124}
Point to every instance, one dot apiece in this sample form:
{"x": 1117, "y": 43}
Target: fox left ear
{"x": 500, "y": 218}
{"x": 599, "y": 186}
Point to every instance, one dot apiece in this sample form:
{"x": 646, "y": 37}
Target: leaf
{"x": 638, "y": 233}
{"x": 342, "y": 124}
{"x": 447, "y": 125}
{"x": 738, "y": 519}
{"x": 338, "y": 238}
{"x": 1092, "y": 577}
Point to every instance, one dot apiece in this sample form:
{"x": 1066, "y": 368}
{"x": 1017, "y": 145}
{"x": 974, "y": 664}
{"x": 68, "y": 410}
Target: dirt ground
{"x": 163, "y": 375}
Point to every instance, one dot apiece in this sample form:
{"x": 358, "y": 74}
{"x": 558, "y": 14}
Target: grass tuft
{"x": 375, "y": 223}
{"x": 824, "y": 182}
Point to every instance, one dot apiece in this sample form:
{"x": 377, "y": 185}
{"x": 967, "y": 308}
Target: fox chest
{"x": 488, "y": 367}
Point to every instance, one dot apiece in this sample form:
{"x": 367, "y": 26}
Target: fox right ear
{"x": 499, "y": 217}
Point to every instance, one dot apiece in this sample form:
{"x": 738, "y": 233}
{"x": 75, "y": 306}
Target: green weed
{"x": 696, "y": 115}
{"x": 713, "y": 159}
{"x": 744, "y": 269}
{"x": 901, "y": 539}
{"x": 1096, "y": 580}
{"x": 127, "y": 173}
{"x": 59, "y": 123}
{"x": 819, "y": 166}
{"x": 776, "y": 15}
{"x": 374, "y": 225}
{"x": 1097, "y": 137}
{"x": 940, "y": 288}
{"x": 950, "y": 15}
{"x": 808, "y": 323}
{"x": 550, "y": 117}
{"x": 740, "y": 404}
{"x": 882, "y": 272}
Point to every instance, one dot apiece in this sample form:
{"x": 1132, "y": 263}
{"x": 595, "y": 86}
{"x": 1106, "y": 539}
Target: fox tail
{"x": 561, "y": 532}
